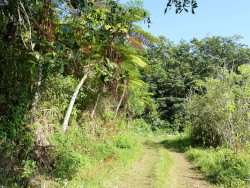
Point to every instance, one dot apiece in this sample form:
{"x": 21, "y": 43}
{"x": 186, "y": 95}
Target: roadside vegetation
{"x": 83, "y": 89}
{"x": 221, "y": 166}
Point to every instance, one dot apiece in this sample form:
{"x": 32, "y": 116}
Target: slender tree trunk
{"x": 93, "y": 111}
{"x": 72, "y": 102}
{"x": 120, "y": 102}
{"x": 129, "y": 118}
{"x": 37, "y": 94}
{"x": 128, "y": 126}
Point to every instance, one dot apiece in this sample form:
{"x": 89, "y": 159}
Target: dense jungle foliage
{"x": 79, "y": 78}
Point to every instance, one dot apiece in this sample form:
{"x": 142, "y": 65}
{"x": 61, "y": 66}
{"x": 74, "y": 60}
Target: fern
{"x": 137, "y": 61}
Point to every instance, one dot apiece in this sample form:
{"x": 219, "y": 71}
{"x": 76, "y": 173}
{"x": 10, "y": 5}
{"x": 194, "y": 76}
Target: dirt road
{"x": 144, "y": 172}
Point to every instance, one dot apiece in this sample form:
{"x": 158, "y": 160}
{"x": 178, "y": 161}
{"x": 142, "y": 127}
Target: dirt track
{"x": 180, "y": 173}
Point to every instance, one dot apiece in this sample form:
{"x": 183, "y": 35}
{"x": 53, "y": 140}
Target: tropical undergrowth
{"x": 222, "y": 166}
{"x": 220, "y": 114}
{"x": 71, "y": 158}
{"x": 89, "y": 160}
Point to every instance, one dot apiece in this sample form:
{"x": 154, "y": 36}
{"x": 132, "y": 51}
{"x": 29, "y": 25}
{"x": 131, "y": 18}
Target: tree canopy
{"x": 181, "y": 5}
{"x": 177, "y": 68}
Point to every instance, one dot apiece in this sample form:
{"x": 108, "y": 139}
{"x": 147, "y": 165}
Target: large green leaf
{"x": 136, "y": 60}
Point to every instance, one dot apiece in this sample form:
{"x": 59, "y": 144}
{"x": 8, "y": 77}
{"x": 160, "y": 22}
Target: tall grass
{"x": 80, "y": 160}
{"x": 223, "y": 167}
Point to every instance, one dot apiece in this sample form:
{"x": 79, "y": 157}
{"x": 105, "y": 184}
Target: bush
{"x": 68, "y": 154}
{"x": 223, "y": 166}
{"x": 140, "y": 126}
{"x": 221, "y": 115}
{"x": 16, "y": 140}
{"x": 126, "y": 141}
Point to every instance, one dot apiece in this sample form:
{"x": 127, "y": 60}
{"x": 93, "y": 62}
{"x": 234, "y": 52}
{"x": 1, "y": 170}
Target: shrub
{"x": 140, "y": 126}
{"x": 223, "y": 166}
{"x": 16, "y": 140}
{"x": 221, "y": 115}
{"x": 126, "y": 141}
{"x": 68, "y": 154}
{"x": 78, "y": 149}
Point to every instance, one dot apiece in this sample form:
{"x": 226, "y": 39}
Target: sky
{"x": 212, "y": 18}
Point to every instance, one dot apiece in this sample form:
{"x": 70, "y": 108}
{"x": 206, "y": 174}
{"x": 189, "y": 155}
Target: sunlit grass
{"x": 103, "y": 173}
{"x": 161, "y": 170}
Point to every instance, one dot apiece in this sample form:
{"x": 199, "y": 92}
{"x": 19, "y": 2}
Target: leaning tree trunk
{"x": 71, "y": 104}
{"x": 120, "y": 102}
{"x": 93, "y": 111}
{"x": 37, "y": 94}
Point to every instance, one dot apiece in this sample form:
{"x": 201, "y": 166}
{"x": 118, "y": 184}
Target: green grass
{"x": 181, "y": 143}
{"x": 223, "y": 167}
{"x": 164, "y": 162}
{"x": 162, "y": 168}
{"x": 106, "y": 163}
{"x": 102, "y": 173}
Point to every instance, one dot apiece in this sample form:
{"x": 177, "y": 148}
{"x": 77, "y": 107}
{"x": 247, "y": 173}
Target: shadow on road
{"x": 175, "y": 143}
